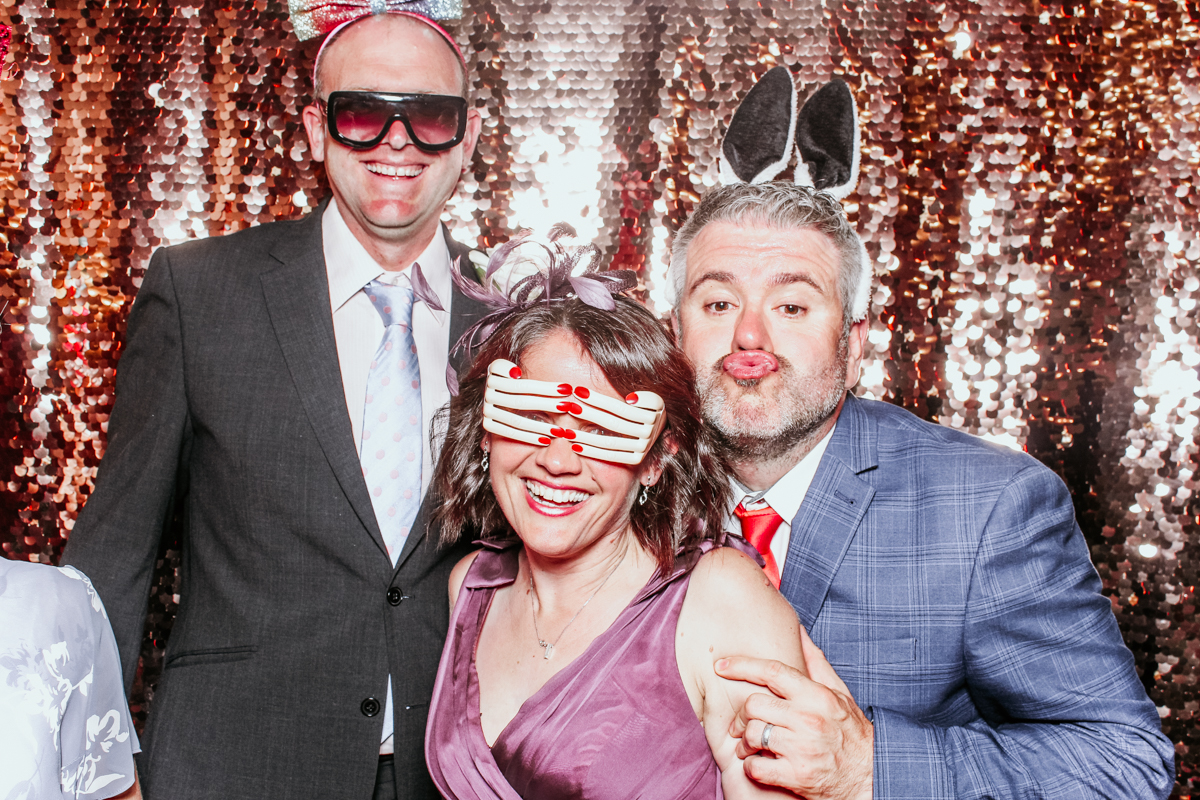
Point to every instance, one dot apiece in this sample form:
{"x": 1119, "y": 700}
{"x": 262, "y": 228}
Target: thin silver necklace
{"x": 548, "y": 647}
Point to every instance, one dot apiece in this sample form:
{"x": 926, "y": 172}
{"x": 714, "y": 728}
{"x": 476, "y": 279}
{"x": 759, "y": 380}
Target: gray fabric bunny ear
{"x": 758, "y": 143}
{"x": 827, "y": 141}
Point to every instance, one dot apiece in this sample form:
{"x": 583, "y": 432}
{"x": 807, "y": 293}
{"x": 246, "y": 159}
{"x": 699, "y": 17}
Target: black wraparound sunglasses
{"x": 362, "y": 119}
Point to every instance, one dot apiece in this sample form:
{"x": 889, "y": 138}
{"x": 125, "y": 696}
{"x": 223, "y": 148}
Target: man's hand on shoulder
{"x": 821, "y": 743}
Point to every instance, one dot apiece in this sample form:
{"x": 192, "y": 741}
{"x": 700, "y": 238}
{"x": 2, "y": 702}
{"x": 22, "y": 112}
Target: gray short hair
{"x": 785, "y": 206}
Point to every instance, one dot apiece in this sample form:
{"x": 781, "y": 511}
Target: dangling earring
{"x": 645, "y": 495}
{"x": 485, "y": 460}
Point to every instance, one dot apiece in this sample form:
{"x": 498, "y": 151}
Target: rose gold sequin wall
{"x": 1029, "y": 198}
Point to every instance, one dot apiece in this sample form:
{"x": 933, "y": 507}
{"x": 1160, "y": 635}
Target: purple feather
{"x": 452, "y": 380}
{"x": 501, "y": 254}
{"x": 474, "y": 291}
{"x": 423, "y": 291}
{"x": 593, "y": 292}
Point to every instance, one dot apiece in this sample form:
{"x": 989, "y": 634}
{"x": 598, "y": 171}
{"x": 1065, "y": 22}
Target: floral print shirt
{"x": 65, "y": 729}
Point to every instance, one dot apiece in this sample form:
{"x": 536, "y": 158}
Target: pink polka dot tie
{"x": 391, "y": 431}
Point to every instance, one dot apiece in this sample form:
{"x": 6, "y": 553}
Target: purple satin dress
{"x": 615, "y": 723}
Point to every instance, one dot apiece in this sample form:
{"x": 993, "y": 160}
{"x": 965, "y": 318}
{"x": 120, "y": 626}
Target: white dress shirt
{"x": 358, "y": 330}
{"x": 784, "y": 496}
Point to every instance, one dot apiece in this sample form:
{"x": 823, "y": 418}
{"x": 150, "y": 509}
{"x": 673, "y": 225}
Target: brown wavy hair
{"x": 635, "y": 353}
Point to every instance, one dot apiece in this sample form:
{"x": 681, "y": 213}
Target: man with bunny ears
{"x": 960, "y": 644}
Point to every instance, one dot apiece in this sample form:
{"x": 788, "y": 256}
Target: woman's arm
{"x": 458, "y": 574}
{"x": 731, "y": 609}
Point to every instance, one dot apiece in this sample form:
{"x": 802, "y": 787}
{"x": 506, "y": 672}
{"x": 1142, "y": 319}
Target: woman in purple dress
{"x": 579, "y": 661}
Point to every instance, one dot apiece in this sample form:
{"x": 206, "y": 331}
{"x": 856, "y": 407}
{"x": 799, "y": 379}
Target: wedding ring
{"x": 766, "y": 737}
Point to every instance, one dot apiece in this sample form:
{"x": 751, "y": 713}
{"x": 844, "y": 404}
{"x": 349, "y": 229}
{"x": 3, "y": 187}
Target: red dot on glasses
{"x": 564, "y": 388}
{"x": 578, "y": 448}
{"x": 631, "y": 397}
{"x": 515, "y": 372}
{"x": 582, "y": 391}
{"x": 543, "y": 440}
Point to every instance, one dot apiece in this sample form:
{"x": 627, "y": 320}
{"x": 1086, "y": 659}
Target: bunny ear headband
{"x": 758, "y": 146}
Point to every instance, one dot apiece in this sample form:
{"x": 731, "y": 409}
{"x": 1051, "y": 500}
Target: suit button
{"x": 369, "y": 707}
{"x": 394, "y": 597}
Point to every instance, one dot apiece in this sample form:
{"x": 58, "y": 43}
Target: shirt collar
{"x": 787, "y": 493}
{"x": 350, "y": 267}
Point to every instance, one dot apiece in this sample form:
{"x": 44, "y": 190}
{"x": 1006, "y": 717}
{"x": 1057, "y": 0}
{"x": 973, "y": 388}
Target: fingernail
{"x": 573, "y": 408}
{"x": 721, "y": 663}
{"x": 557, "y": 432}
{"x": 631, "y": 398}
{"x": 578, "y": 448}
{"x": 515, "y": 372}
{"x": 582, "y": 391}
{"x": 567, "y": 433}
{"x": 564, "y": 388}
{"x": 543, "y": 440}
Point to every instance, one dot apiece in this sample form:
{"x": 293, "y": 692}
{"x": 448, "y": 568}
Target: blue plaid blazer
{"x": 948, "y": 584}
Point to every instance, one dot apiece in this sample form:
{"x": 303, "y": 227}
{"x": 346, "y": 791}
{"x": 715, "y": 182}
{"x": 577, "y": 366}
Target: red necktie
{"x": 758, "y": 528}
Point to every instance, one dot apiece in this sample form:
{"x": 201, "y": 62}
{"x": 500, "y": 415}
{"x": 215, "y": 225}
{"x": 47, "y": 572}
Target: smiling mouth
{"x": 554, "y": 498}
{"x": 390, "y": 171}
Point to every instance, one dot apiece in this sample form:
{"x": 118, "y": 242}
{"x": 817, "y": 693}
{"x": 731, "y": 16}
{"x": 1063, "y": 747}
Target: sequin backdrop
{"x": 1029, "y": 198}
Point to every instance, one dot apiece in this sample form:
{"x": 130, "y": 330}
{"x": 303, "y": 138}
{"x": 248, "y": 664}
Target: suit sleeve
{"x": 1062, "y": 712}
{"x": 115, "y": 540}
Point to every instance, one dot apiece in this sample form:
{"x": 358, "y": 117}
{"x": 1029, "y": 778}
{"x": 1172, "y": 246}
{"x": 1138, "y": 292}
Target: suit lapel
{"x": 297, "y": 298}
{"x": 830, "y": 514}
{"x": 463, "y": 312}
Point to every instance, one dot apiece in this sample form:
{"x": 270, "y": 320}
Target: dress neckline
{"x": 504, "y": 572}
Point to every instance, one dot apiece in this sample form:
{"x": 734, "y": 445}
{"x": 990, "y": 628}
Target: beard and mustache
{"x": 752, "y": 425}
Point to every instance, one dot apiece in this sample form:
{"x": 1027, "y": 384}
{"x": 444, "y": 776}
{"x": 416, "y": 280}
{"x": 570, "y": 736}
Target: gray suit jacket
{"x": 230, "y": 415}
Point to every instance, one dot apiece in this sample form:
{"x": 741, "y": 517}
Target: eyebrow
{"x": 717, "y": 277}
{"x": 788, "y": 278}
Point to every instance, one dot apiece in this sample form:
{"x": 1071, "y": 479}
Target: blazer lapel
{"x": 830, "y": 514}
{"x": 463, "y": 313}
{"x": 297, "y": 298}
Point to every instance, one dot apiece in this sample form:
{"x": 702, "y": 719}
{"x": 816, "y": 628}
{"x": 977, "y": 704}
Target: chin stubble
{"x": 756, "y": 427}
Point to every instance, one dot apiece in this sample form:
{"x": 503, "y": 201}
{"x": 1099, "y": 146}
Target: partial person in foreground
{"x": 274, "y": 399}
{"x": 944, "y": 578}
{"x": 580, "y": 656}
{"x": 65, "y": 729}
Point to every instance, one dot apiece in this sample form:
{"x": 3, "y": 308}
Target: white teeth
{"x": 558, "y": 496}
{"x": 395, "y": 172}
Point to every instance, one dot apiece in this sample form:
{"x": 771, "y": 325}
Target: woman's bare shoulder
{"x": 459, "y": 574}
{"x": 731, "y": 603}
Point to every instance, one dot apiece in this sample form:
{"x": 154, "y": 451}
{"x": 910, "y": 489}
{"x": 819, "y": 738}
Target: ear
{"x": 827, "y": 141}
{"x": 470, "y": 138}
{"x": 652, "y": 471}
{"x": 676, "y": 328}
{"x": 314, "y": 124}
{"x": 855, "y": 348}
{"x": 758, "y": 143}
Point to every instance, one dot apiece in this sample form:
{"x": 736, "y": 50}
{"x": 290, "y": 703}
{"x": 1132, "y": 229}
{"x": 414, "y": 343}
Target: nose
{"x": 397, "y": 135}
{"x": 557, "y": 458}
{"x": 751, "y": 331}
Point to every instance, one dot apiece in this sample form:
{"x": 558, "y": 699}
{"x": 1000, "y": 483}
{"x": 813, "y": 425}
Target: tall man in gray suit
{"x": 274, "y": 394}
